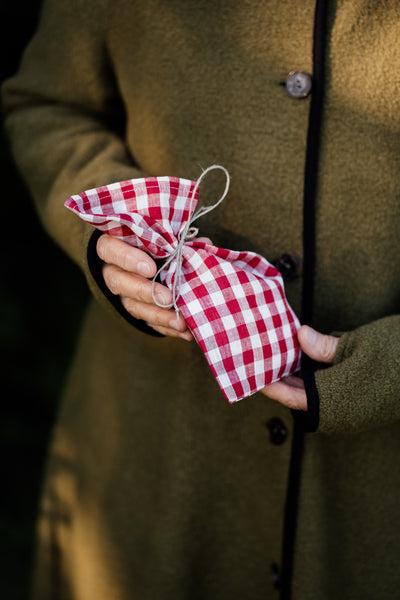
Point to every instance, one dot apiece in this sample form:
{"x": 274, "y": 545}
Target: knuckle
{"x": 143, "y": 312}
{"x": 141, "y": 290}
{"x": 178, "y": 324}
{"x": 333, "y": 346}
{"x": 132, "y": 307}
{"x": 111, "y": 279}
{"x": 327, "y": 348}
{"x": 126, "y": 258}
{"x": 161, "y": 317}
{"x": 156, "y": 318}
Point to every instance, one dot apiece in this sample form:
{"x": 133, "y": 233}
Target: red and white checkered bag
{"x": 233, "y": 302}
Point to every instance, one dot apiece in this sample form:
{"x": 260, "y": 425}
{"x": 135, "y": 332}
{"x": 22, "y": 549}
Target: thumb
{"x": 317, "y": 346}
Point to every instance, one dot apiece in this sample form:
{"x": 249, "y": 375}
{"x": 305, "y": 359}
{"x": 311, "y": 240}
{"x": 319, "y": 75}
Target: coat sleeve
{"x": 65, "y": 119}
{"x": 361, "y": 390}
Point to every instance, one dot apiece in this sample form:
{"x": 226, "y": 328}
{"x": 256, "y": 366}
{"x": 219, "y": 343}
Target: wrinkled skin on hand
{"x": 128, "y": 273}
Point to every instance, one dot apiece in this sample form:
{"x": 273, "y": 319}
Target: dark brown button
{"x": 298, "y": 84}
{"x": 277, "y": 431}
{"x": 276, "y": 576}
{"x": 289, "y": 265}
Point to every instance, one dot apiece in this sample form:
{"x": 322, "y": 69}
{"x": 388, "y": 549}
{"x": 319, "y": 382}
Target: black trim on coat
{"x": 291, "y": 507}
{"x": 312, "y": 162}
{"x": 95, "y": 267}
{"x": 306, "y": 421}
{"x": 310, "y": 419}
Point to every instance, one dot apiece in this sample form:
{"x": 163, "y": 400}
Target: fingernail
{"x": 144, "y": 269}
{"x": 311, "y": 336}
{"x": 164, "y": 300}
{"x": 186, "y": 336}
{"x": 174, "y": 324}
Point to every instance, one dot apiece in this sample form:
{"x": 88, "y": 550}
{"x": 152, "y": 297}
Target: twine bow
{"x": 187, "y": 233}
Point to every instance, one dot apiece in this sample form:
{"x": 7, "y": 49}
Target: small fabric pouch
{"x": 233, "y": 302}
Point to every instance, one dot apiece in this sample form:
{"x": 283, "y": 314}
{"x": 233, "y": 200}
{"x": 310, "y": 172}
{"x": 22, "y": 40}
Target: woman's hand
{"x": 128, "y": 272}
{"x": 290, "y": 391}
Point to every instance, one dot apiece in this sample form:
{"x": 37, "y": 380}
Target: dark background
{"x": 42, "y": 297}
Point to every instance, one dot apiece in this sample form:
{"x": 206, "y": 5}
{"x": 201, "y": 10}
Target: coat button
{"x": 276, "y": 576}
{"x": 298, "y": 84}
{"x": 289, "y": 265}
{"x": 277, "y": 431}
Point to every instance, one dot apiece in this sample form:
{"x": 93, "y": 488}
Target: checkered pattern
{"x": 233, "y": 302}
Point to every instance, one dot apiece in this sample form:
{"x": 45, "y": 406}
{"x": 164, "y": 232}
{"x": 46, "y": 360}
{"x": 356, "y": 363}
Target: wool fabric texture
{"x": 157, "y": 488}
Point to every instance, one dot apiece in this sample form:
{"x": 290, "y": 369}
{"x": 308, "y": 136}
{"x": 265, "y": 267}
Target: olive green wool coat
{"x": 156, "y": 488}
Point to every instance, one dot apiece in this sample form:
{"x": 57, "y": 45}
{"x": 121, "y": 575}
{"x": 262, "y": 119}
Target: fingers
{"x": 154, "y": 315}
{"x": 116, "y": 252}
{"x": 317, "y": 346}
{"x": 125, "y": 271}
{"x": 289, "y": 392}
{"x": 186, "y": 335}
{"x": 205, "y": 240}
{"x": 123, "y": 283}
{"x": 136, "y": 294}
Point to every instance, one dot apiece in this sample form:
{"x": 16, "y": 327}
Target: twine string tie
{"x": 187, "y": 233}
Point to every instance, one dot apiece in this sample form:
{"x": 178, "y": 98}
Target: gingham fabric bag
{"x": 233, "y": 302}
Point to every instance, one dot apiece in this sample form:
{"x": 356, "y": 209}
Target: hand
{"x": 128, "y": 272}
{"x": 290, "y": 391}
